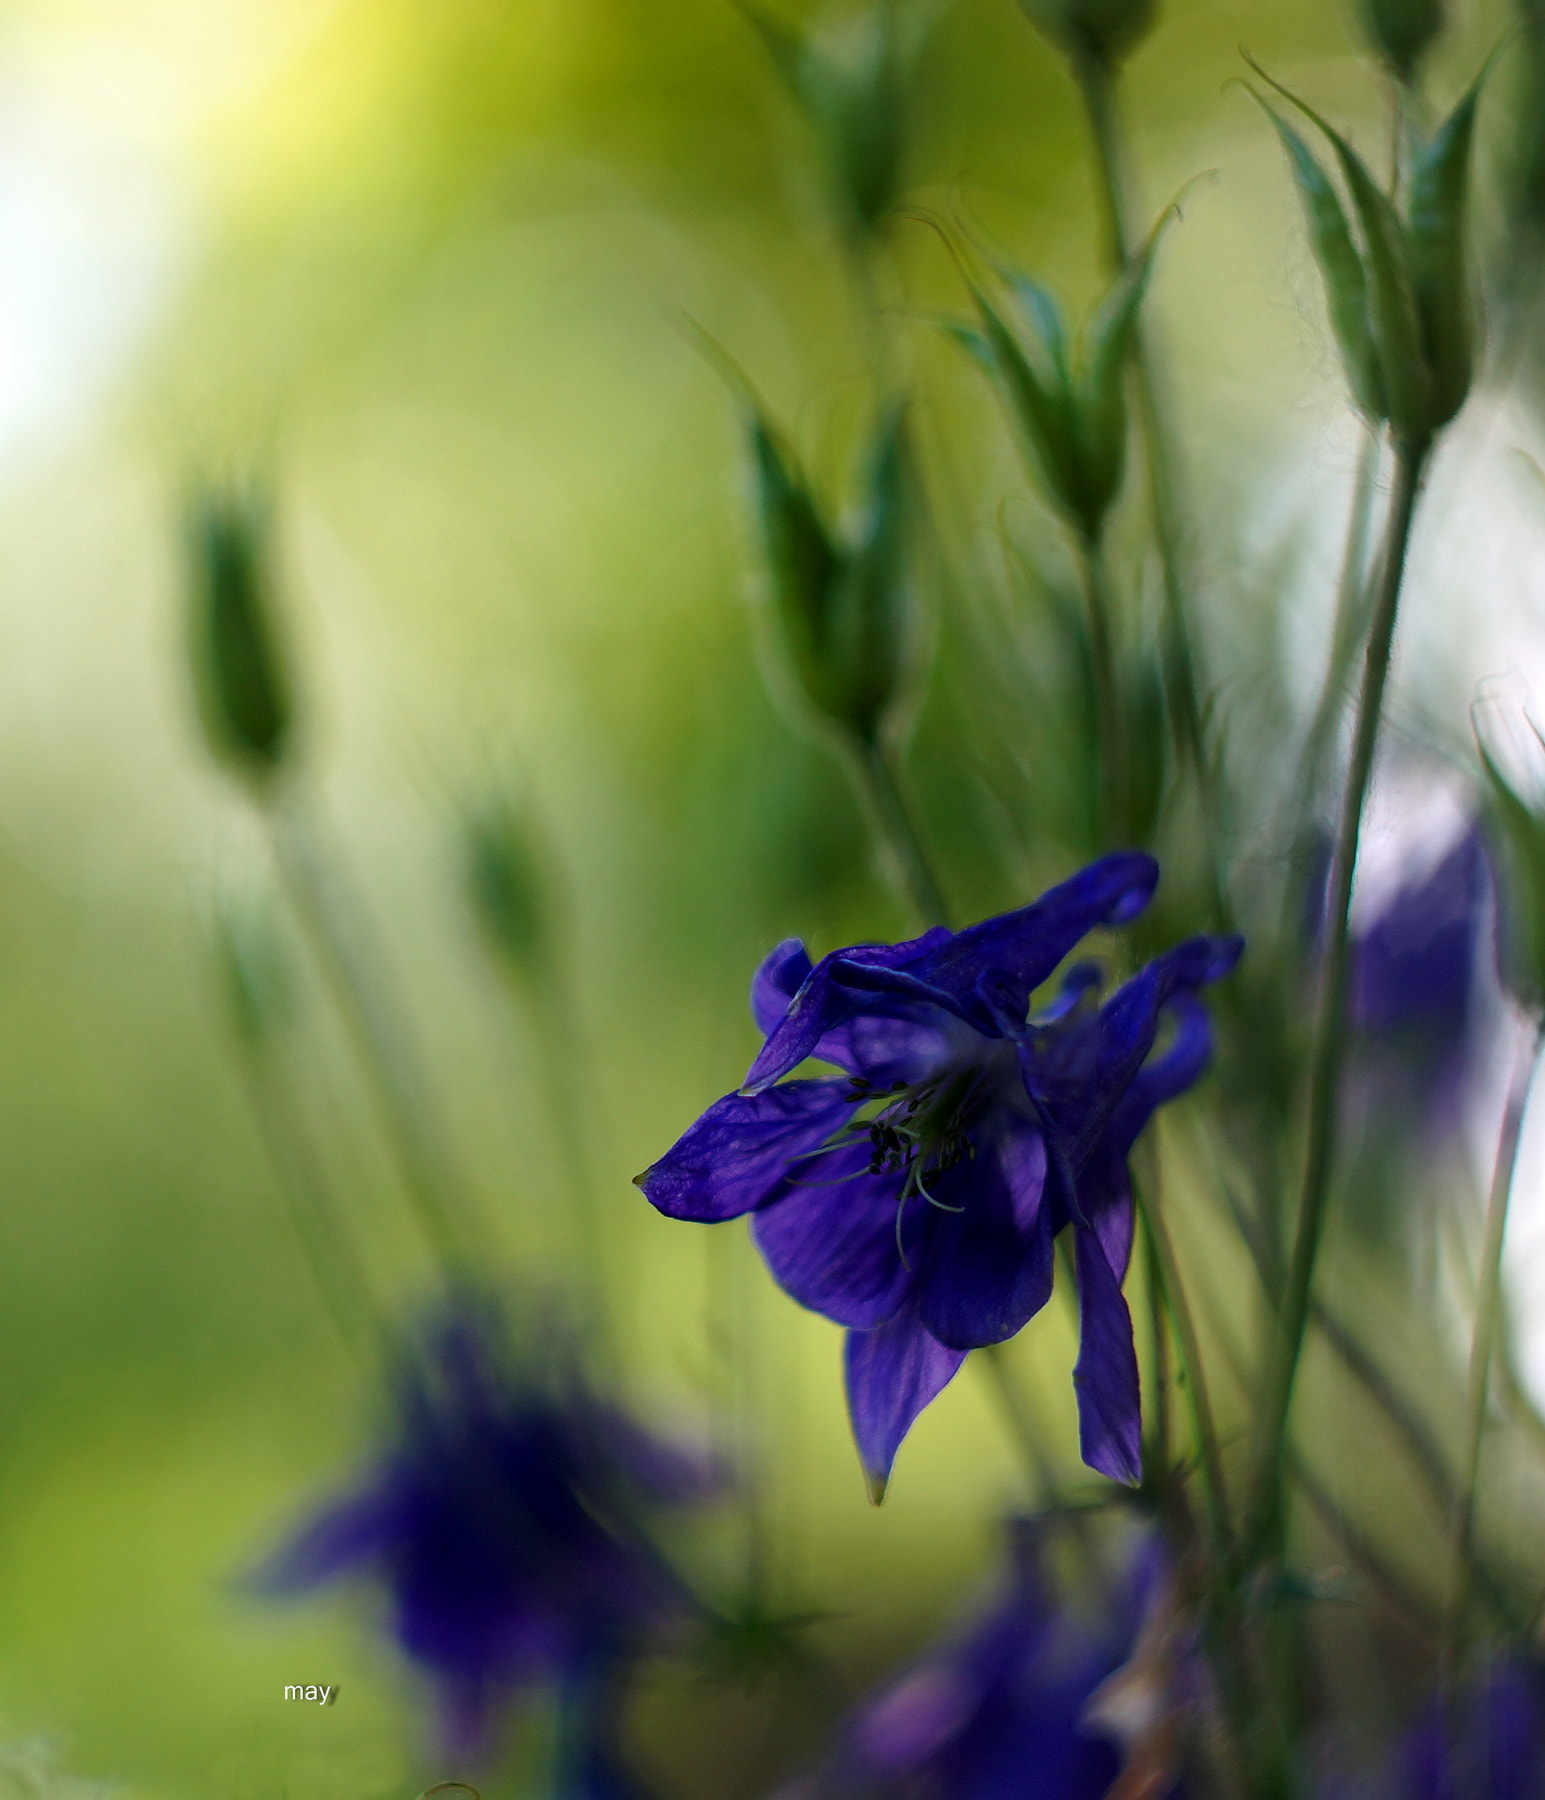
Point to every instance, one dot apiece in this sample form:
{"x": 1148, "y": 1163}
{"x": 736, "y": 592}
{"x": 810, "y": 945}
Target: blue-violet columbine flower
{"x": 1031, "y": 1698}
{"x": 506, "y": 1523}
{"x": 915, "y": 1198}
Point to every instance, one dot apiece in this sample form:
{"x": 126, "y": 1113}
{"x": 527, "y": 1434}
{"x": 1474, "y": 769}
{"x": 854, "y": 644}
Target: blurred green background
{"x": 424, "y": 266}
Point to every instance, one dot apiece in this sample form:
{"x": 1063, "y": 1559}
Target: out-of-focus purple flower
{"x": 1018, "y": 1705}
{"x": 1416, "y": 957}
{"x": 1485, "y": 1743}
{"x": 506, "y": 1522}
{"x": 915, "y": 1199}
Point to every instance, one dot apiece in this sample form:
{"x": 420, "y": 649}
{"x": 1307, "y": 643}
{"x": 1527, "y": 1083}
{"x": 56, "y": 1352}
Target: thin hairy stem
{"x": 384, "y": 1044}
{"x": 1022, "y": 1426}
{"x": 1488, "y": 1313}
{"x": 898, "y": 835}
{"x": 1262, "y": 1537}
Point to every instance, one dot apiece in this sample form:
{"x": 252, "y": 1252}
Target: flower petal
{"x": 1029, "y": 944}
{"x": 823, "y": 1003}
{"x": 783, "y": 973}
{"x": 740, "y": 1149}
{"x": 989, "y": 1270}
{"x": 339, "y": 1540}
{"x": 892, "y": 1372}
{"x": 832, "y": 1245}
{"x": 1110, "y": 1411}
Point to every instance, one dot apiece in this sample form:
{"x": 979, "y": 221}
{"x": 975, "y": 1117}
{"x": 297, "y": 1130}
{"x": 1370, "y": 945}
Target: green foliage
{"x": 1402, "y": 31}
{"x": 239, "y": 667}
{"x": 855, "y": 104}
{"x": 1069, "y": 403}
{"x": 507, "y": 885}
{"x": 1105, "y": 30}
{"x": 843, "y": 603}
{"x": 1399, "y": 296}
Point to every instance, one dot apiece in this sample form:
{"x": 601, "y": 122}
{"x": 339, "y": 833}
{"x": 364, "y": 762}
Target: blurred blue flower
{"x": 915, "y": 1199}
{"x": 507, "y": 1522}
{"x": 1414, "y": 990}
{"x": 1031, "y": 1701}
{"x": 1485, "y": 1743}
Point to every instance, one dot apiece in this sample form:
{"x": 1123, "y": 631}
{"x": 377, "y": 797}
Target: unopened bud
{"x": 239, "y": 672}
{"x": 1402, "y": 31}
{"x": 1104, "y": 30}
{"x": 843, "y": 604}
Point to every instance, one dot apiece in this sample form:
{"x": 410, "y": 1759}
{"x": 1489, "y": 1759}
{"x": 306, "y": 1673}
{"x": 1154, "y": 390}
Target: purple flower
{"x": 915, "y": 1199}
{"x": 1415, "y": 996}
{"x": 1014, "y": 1706}
{"x": 1485, "y": 1743}
{"x": 505, "y": 1522}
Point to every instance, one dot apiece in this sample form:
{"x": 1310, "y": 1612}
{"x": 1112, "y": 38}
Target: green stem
{"x": 383, "y": 1044}
{"x": 1096, "y": 84}
{"x": 1488, "y": 1309}
{"x": 321, "y": 1234}
{"x": 1262, "y": 1536}
{"x": 1112, "y": 751}
{"x": 898, "y": 835}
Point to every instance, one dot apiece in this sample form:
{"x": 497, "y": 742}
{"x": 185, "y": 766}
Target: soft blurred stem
{"x": 1192, "y": 1373}
{"x": 1097, "y": 84}
{"x": 1349, "y": 627}
{"x": 1161, "y": 1446}
{"x": 1262, "y": 1538}
{"x": 896, "y": 833}
{"x": 1107, "y": 689}
{"x": 1045, "y": 1490}
{"x": 322, "y": 1236}
{"x": 558, "y": 1043}
{"x": 385, "y": 1046}
{"x": 1488, "y": 1313}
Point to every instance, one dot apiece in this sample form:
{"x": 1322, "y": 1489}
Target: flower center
{"x": 922, "y": 1128}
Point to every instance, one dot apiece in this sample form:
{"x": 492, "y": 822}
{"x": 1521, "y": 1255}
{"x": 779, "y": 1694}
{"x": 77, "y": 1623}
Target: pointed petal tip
{"x": 876, "y": 1484}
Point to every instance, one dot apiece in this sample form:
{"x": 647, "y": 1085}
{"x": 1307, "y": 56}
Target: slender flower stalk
{"x": 1097, "y": 86}
{"x": 1483, "y": 1343}
{"x": 897, "y": 834}
{"x": 1329, "y": 1046}
{"x": 384, "y": 1044}
{"x": 1099, "y": 610}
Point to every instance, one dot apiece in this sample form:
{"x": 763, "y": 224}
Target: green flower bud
{"x": 1399, "y": 293}
{"x": 843, "y": 603}
{"x": 1070, "y": 404}
{"x": 1104, "y": 30}
{"x": 239, "y": 670}
{"x": 855, "y": 100}
{"x": 1402, "y": 31}
{"x": 507, "y": 885}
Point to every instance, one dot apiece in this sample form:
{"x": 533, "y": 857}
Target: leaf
{"x": 1438, "y": 238}
{"x": 869, "y": 631}
{"x": 1391, "y": 299}
{"x": 1341, "y": 268}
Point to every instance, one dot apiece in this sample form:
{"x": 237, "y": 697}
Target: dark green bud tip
{"x": 1102, "y": 29}
{"x": 238, "y": 663}
{"x": 507, "y": 886}
{"x": 1402, "y": 31}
